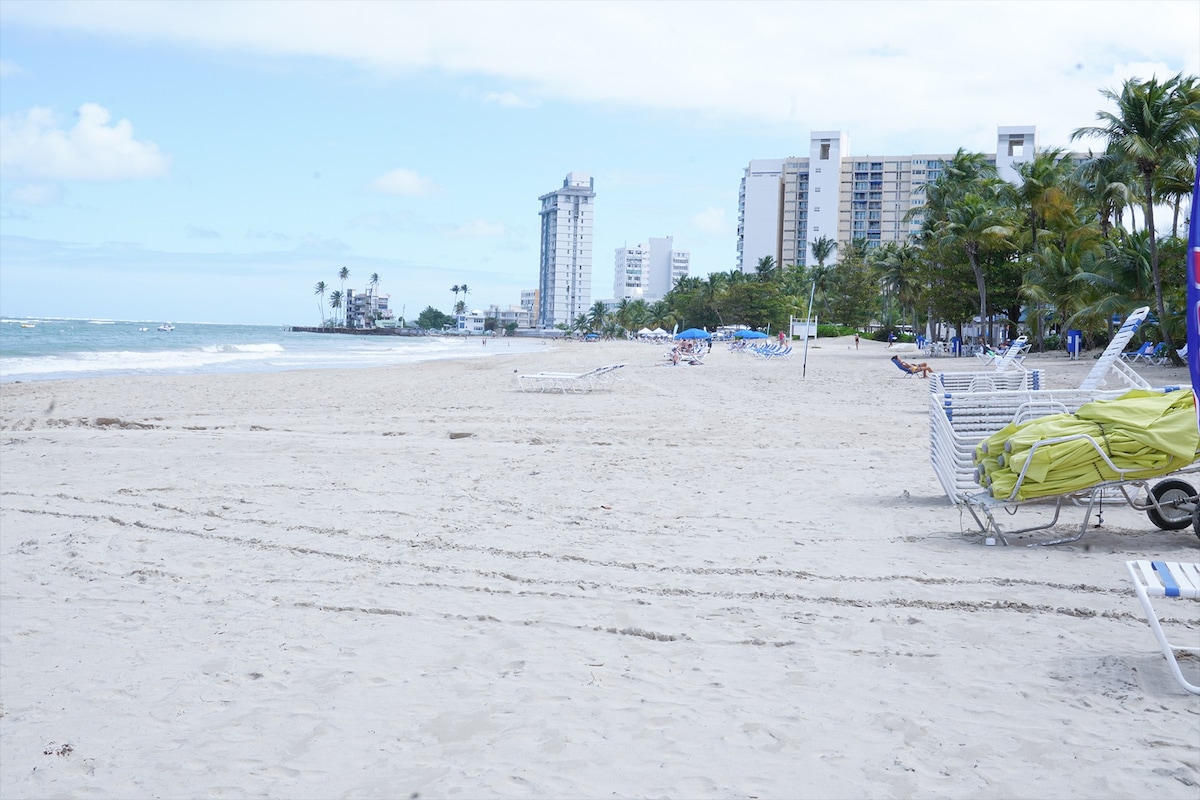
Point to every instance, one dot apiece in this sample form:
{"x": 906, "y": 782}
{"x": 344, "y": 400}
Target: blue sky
{"x": 212, "y": 161}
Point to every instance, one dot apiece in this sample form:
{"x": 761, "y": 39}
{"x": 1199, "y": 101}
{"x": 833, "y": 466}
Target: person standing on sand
{"x": 855, "y": 341}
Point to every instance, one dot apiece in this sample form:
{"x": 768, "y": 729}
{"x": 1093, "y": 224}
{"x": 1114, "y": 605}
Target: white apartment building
{"x": 648, "y": 272}
{"x": 631, "y": 272}
{"x": 565, "y": 266}
{"x": 519, "y": 315}
{"x": 529, "y": 301}
{"x": 785, "y": 204}
{"x": 367, "y": 309}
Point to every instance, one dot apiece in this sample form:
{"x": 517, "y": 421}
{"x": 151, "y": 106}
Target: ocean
{"x": 56, "y": 349}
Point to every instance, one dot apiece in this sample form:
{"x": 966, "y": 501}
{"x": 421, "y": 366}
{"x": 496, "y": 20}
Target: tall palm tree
{"x": 335, "y": 300}
{"x": 1153, "y": 123}
{"x": 465, "y": 290}
{"x": 320, "y": 290}
{"x": 596, "y": 316}
{"x": 1044, "y": 202}
{"x": 899, "y": 273}
{"x": 456, "y": 289}
{"x": 345, "y": 275}
{"x": 975, "y": 225}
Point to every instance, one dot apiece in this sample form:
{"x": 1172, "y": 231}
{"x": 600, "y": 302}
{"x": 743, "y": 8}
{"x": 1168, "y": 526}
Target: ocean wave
{"x": 244, "y": 348}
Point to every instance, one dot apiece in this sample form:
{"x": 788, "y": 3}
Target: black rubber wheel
{"x": 1196, "y": 520}
{"x": 1170, "y": 494}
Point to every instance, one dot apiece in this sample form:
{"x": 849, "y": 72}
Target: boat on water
{"x": 143, "y": 329}
{"x": 28, "y": 324}
{"x": 166, "y": 327}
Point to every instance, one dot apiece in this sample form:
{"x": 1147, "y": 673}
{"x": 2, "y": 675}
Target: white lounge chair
{"x": 1166, "y": 579}
{"x": 1011, "y": 356}
{"x": 1110, "y": 371}
{"x": 576, "y": 382}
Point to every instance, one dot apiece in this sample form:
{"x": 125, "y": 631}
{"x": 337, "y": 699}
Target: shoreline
{"x": 713, "y": 581}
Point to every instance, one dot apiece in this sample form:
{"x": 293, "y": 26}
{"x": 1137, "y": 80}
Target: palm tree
{"x": 899, "y": 273}
{"x": 975, "y": 225}
{"x": 345, "y": 275}
{"x": 465, "y": 292}
{"x": 1044, "y": 202}
{"x": 456, "y": 289}
{"x": 822, "y": 249}
{"x": 1106, "y": 183}
{"x": 639, "y": 314}
{"x": 1153, "y": 123}
{"x": 596, "y": 316}
{"x": 320, "y": 289}
{"x": 335, "y": 299}
{"x": 765, "y": 268}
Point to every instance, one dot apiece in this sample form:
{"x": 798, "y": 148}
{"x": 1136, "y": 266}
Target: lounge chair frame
{"x": 1166, "y": 579}
{"x": 570, "y": 382}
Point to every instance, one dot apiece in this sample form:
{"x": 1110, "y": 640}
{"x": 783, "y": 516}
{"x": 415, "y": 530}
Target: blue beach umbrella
{"x": 693, "y": 333}
{"x": 749, "y": 335}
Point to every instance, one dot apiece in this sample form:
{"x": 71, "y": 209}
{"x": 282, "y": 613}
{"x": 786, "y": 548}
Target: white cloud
{"x": 196, "y": 232}
{"x": 402, "y": 181}
{"x": 477, "y": 227}
{"x": 508, "y": 100}
{"x": 276, "y": 236}
{"x": 38, "y": 194}
{"x": 8, "y": 69}
{"x": 384, "y": 221}
{"x": 312, "y": 243}
{"x": 32, "y": 145}
{"x": 930, "y": 71}
{"x": 710, "y": 220}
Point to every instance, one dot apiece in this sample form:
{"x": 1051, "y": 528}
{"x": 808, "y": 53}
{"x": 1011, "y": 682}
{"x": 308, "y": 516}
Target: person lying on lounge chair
{"x": 921, "y": 369}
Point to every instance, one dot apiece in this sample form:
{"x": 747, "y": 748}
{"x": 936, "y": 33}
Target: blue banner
{"x": 1193, "y": 295}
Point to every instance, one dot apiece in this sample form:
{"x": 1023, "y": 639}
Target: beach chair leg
{"x": 1168, "y": 649}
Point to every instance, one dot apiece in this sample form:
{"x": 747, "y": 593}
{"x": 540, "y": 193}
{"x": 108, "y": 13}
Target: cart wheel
{"x": 1171, "y": 494}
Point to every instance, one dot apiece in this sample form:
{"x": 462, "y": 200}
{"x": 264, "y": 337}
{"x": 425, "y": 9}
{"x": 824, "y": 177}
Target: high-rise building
{"x": 648, "y": 272}
{"x": 631, "y": 272}
{"x": 565, "y": 267}
{"x": 785, "y": 204}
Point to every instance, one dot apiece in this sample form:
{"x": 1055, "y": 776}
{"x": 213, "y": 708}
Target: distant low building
{"x": 470, "y": 322}
{"x": 520, "y": 315}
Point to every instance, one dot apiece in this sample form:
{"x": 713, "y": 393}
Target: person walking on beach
{"x": 855, "y": 341}
{"x": 891, "y": 337}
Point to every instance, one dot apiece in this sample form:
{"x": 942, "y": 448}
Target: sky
{"x": 212, "y": 161}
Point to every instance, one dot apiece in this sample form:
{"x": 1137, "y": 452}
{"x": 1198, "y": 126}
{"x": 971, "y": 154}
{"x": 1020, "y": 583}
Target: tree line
{"x": 1062, "y": 244}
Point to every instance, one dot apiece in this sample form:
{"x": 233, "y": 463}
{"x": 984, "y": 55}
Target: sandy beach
{"x": 721, "y": 581}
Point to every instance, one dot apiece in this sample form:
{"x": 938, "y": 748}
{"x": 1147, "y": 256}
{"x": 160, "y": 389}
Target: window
{"x": 824, "y": 151}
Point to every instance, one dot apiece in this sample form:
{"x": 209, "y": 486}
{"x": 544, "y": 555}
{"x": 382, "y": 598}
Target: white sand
{"x": 717, "y": 581}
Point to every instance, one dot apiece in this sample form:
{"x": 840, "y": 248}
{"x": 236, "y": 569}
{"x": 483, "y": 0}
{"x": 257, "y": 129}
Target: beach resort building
{"x": 647, "y": 272}
{"x": 366, "y": 309}
{"x": 784, "y": 204}
{"x": 565, "y": 265}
